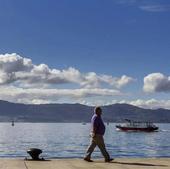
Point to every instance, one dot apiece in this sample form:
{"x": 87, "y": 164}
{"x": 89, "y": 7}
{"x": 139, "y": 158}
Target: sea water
{"x": 70, "y": 140}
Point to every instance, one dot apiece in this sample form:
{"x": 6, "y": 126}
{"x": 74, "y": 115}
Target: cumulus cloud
{"x": 117, "y": 82}
{"x": 10, "y": 63}
{"x": 14, "y": 68}
{"x": 25, "y": 82}
{"x": 156, "y": 82}
{"x": 6, "y": 78}
{"x": 123, "y": 81}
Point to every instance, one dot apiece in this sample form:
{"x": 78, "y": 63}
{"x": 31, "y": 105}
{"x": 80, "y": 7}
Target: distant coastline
{"x": 77, "y": 113}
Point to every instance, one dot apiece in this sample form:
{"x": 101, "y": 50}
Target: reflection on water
{"x": 72, "y": 139}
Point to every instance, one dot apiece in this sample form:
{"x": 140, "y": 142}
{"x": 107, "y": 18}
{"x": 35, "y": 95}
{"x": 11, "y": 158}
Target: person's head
{"x": 98, "y": 111}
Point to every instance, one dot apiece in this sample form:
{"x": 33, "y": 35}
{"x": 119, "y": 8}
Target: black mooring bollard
{"x": 34, "y": 153}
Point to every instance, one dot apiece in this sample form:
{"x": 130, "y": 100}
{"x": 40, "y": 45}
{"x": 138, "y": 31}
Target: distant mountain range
{"x": 77, "y": 113}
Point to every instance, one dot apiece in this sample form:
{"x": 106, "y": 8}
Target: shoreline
{"x": 118, "y": 163}
{"x": 81, "y": 158}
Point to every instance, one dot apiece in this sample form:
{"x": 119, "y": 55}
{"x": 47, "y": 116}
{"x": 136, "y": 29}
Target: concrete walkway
{"x": 121, "y": 163}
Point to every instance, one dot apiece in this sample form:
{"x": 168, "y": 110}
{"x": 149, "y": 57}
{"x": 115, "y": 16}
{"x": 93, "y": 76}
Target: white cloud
{"x": 151, "y": 104}
{"x": 25, "y": 82}
{"x": 126, "y": 2}
{"x": 145, "y": 5}
{"x": 14, "y": 68}
{"x": 156, "y": 82}
{"x": 6, "y": 78}
{"x": 13, "y": 63}
{"x": 155, "y": 8}
{"x": 90, "y": 80}
{"x": 146, "y": 104}
{"x": 98, "y": 102}
{"x": 117, "y": 82}
{"x": 123, "y": 81}
{"x": 15, "y": 94}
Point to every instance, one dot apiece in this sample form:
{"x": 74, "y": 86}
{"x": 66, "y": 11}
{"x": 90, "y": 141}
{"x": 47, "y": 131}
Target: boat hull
{"x": 145, "y": 129}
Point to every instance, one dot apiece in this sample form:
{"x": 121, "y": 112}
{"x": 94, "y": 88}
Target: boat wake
{"x": 164, "y": 130}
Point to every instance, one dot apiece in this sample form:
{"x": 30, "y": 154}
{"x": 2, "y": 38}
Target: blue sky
{"x": 112, "y": 37}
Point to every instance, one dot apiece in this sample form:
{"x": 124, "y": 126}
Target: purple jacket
{"x": 98, "y": 124}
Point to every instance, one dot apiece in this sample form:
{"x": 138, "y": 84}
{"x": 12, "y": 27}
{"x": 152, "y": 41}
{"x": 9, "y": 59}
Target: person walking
{"x": 97, "y": 133}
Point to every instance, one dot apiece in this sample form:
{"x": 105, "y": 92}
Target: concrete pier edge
{"x": 118, "y": 163}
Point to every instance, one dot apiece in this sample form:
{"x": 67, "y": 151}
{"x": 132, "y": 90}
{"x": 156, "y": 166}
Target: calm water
{"x": 69, "y": 140}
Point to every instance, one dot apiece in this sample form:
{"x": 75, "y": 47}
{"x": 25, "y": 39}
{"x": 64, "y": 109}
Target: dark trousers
{"x": 97, "y": 140}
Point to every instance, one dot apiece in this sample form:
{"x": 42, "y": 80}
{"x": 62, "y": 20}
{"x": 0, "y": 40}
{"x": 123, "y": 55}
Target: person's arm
{"x": 95, "y": 126}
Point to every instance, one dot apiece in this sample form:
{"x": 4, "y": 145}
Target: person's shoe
{"x": 87, "y": 159}
{"x": 109, "y": 160}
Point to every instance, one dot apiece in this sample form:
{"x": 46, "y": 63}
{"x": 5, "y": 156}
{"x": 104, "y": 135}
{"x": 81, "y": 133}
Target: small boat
{"x": 137, "y": 126}
{"x": 12, "y": 124}
{"x": 83, "y": 123}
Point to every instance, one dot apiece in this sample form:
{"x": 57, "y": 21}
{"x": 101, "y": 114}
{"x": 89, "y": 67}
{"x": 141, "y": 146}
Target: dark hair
{"x": 97, "y": 109}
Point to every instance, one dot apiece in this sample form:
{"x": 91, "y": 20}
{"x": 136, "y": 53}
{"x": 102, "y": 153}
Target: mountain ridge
{"x": 66, "y": 112}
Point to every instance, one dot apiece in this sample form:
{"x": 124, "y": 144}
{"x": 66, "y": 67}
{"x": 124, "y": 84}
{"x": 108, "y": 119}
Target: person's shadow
{"x": 138, "y": 164}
